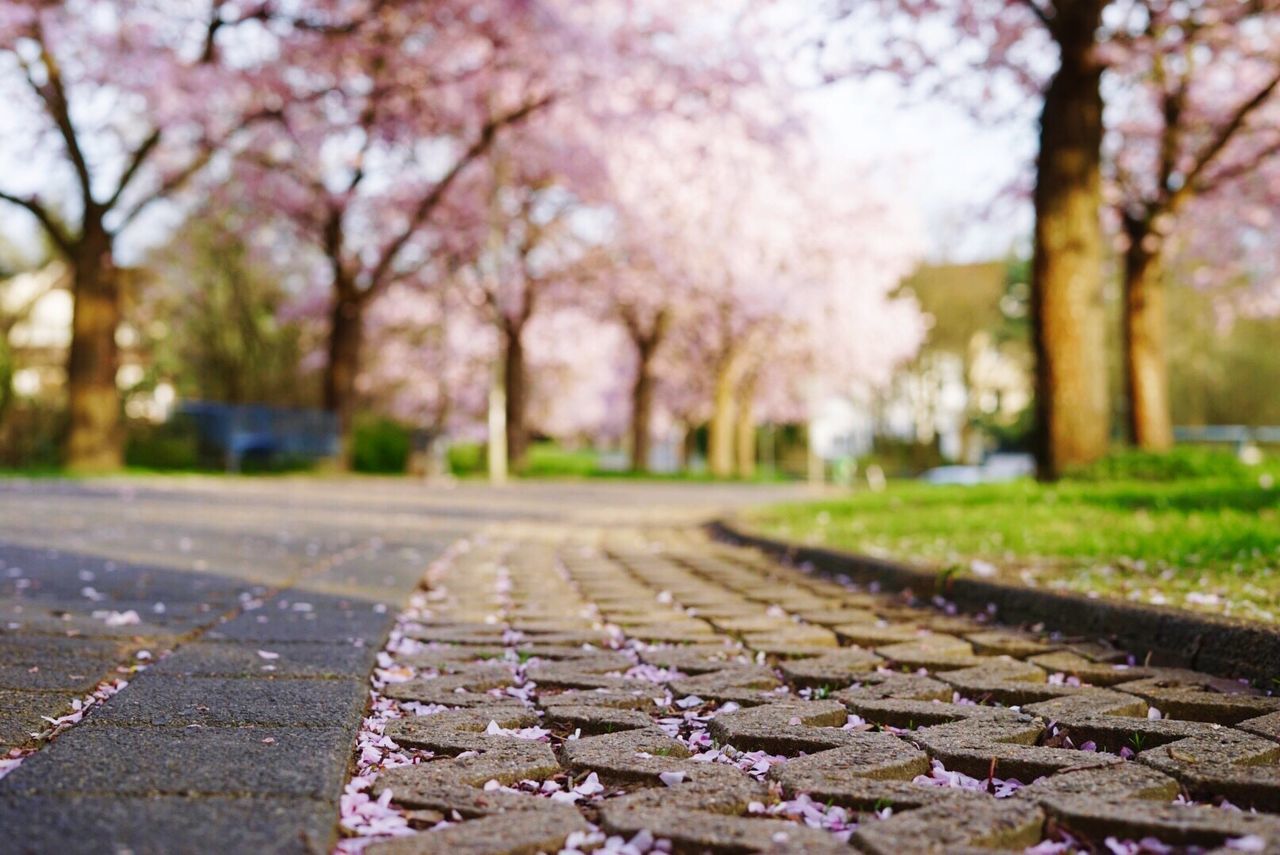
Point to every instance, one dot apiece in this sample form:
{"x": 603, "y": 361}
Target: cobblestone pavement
{"x": 184, "y": 663}
{"x": 185, "y": 666}
{"x": 633, "y": 688}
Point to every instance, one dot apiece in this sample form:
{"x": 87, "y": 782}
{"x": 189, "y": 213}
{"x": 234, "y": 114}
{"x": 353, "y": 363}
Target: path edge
{"x": 1172, "y": 637}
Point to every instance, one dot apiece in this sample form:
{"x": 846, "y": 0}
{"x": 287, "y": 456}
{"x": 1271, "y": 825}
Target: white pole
{"x": 497, "y": 426}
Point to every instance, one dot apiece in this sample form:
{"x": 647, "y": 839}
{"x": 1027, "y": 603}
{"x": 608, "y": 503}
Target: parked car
{"x": 996, "y": 468}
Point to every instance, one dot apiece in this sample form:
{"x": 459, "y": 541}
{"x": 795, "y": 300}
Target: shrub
{"x": 29, "y": 435}
{"x": 380, "y": 445}
{"x": 1185, "y": 462}
{"x": 467, "y": 458}
{"x": 172, "y": 445}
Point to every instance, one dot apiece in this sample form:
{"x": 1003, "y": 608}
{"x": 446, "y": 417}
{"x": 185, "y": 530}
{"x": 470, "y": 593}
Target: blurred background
{"x": 748, "y": 240}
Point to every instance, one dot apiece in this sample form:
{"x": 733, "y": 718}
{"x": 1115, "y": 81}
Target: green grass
{"x": 1215, "y": 539}
{"x": 550, "y": 460}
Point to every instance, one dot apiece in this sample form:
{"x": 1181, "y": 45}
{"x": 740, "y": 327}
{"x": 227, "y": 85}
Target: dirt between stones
{"x": 632, "y": 690}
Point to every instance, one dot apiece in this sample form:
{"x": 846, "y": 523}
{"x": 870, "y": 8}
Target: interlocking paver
{"x": 560, "y": 678}
{"x": 727, "y": 704}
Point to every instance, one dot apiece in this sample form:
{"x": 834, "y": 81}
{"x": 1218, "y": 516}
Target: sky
{"x": 931, "y": 155}
{"x": 946, "y": 166}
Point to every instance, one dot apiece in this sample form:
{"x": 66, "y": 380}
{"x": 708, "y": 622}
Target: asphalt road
{"x": 224, "y": 630}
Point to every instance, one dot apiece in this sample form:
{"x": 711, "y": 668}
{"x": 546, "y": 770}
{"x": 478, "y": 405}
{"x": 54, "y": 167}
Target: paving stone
{"x": 783, "y": 728}
{"x": 181, "y": 701}
{"x": 438, "y": 793}
{"x": 66, "y": 664}
{"x": 1198, "y": 700}
{"x": 21, "y": 715}
{"x": 1072, "y": 664}
{"x": 837, "y": 616}
{"x": 673, "y": 632}
{"x": 832, "y": 670}
{"x": 699, "y": 830}
{"x": 875, "y": 635}
{"x": 1267, "y": 725}
{"x": 631, "y": 700}
{"x": 306, "y": 762}
{"x": 468, "y": 687}
{"x": 582, "y": 675}
{"x": 457, "y": 633}
{"x": 780, "y": 647}
{"x": 165, "y": 824}
{"x": 595, "y": 720}
{"x": 1000, "y": 642}
{"x": 325, "y": 619}
{"x": 1171, "y": 824}
{"x": 500, "y": 758}
{"x": 75, "y": 618}
{"x": 986, "y": 824}
{"x": 633, "y": 756}
{"x": 1113, "y": 721}
{"x": 909, "y": 701}
{"x": 1005, "y": 681}
{"x": 456, "y": 731}
{"x": 1240, "y": 766}
{"x": 745, "y": 684}
{"x": 1106, "y": 783}
{"x": 542, "y": 830}
{"x": 695, "y": 658}
{"x": 794, "y": 635}
{"x": 295, "y": 659}
{"x": 863, "y": 756}
{"x": 976, "y": 746}
{"x": 932, "y": 652}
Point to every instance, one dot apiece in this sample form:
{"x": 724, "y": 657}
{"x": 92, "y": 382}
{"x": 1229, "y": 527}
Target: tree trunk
{"x": 6, "y": 373}
{"x": 721, "y": 431}
{"x": 642, "y": 405}
{"x": 1146, "y": 367}
{"x": 688, "y": 445}
{"x": 95, "y": 439}
{"x": 496, "y": 450}
{"x": 745, "y": 429}
{"x": 346, "y": 330}
{"x": 517, "y": 396}
{"x": 1067, "y": 312}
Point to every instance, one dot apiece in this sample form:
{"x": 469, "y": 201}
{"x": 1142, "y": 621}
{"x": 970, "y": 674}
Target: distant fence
{"x": 1240, "y": 436}
{"x": 238, "y": 431}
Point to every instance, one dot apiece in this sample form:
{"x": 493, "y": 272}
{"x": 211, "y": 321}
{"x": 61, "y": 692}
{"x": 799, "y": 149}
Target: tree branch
{"x": 429, "y": 202}
{"x": 54, "y": 95}
{"x": 135, "y": 163}
{"x": 168, "y": 186}
{"x": 1237, "y": 121}
{"x": 47, "y": 221}
{"x": 1040, "y": 12}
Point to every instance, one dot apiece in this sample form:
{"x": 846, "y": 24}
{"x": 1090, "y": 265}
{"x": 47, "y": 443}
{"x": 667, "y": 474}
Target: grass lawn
{"x": 1210, "y": 543}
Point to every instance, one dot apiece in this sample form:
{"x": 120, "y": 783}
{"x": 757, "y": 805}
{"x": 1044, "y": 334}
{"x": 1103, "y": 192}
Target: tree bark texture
{"x": 1068, "y": 319}
{"x": 95, "y": 436}
{"x": 721, "y": 431}
{"x": 346, "y": 333}
{"x": 517, "y": 397}
{"x": 1145, "y": 362}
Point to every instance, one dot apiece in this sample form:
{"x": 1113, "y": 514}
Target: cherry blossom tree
{"x": 534, "y": 240}
{"x": 777, "y": 271}
{"x": 383, "y": 108}
{"x": 1189, "y": 86}
{"x": 990, "y": 53}
{"x": 1198, "y": 100}
{"x": 122, "y": 104}
{"x": 432, "y": 361}
{"x": 387, "y": 109}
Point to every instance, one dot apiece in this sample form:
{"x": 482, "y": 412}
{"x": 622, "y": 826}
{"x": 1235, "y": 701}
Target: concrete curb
{"x": 1173, "y": 637}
